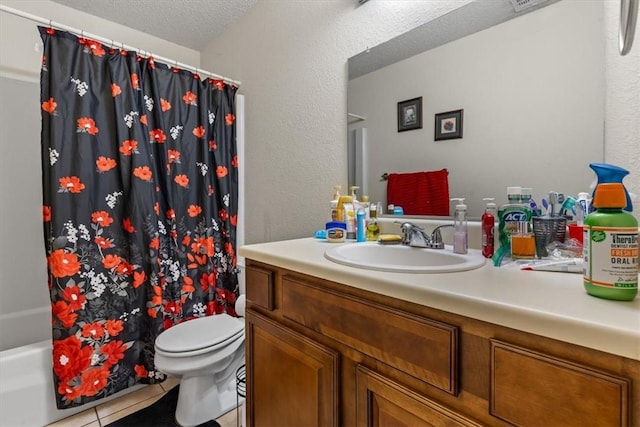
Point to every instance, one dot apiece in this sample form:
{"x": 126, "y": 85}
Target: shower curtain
{"x": 140, "y": 183}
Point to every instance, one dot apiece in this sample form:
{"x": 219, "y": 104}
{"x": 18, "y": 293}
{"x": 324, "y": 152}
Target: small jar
{"x": 336, "y": 231}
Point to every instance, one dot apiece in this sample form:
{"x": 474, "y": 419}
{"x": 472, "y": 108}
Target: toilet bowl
{"x": 205, "y": 353}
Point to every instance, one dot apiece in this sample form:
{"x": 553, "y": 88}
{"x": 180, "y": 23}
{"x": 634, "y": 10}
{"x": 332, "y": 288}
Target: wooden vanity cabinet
{"x": 320, "y": 353}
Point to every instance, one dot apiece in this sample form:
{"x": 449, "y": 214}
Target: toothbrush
{"x": 534, "y": 208}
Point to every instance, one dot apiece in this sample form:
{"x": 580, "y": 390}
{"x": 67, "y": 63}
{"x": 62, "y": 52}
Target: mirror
{"x": 530, "y": 84}
{"x": 628, "y": 16}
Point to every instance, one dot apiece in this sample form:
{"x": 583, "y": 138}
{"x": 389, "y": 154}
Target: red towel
{"x": 420, "y": 193}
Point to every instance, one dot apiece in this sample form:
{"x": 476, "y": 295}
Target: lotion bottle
{"x": 460, "y": 245}
{"x": 354, "y": 197}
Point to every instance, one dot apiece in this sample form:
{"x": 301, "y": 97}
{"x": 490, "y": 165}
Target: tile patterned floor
{"x": 111, "y": 411}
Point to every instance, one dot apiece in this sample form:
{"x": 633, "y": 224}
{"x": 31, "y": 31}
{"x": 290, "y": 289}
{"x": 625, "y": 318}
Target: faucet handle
{"x": 406, "y": 228}
{"x": 410, "y": 226}
{"x": 436, "y": 237}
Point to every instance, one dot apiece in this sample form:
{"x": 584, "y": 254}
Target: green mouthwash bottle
{"x": 512, "y": 213}
{"x": 610, "y": 248}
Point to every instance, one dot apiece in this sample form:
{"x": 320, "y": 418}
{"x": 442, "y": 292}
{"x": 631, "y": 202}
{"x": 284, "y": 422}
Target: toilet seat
{"x": 200, "y": 335}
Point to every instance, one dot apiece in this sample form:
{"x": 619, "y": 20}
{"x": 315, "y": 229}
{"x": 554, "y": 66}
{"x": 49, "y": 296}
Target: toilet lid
{"x": 200, "y": 333}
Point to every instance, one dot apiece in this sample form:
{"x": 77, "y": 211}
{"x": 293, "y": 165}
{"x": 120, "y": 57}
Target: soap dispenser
{"x": 460, "y": 245}
{"x": 354, "y": 188}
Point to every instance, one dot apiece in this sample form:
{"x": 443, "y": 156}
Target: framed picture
{"x": 410, "y": 114}
{"x": 448, "y": 125}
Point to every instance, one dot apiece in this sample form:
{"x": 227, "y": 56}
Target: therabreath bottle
{"x": 611, "y": 246}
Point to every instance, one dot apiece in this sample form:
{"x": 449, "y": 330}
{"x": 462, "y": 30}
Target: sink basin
{"x": 403, "y": 259}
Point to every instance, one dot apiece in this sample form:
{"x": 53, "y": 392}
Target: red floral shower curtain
{"x": 140, "y": 180}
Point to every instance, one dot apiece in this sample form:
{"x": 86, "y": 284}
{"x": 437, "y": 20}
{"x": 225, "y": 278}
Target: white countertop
{"x": 553, "y": 305}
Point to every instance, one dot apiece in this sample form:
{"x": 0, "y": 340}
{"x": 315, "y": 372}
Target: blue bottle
{"x": 361, "y": 228}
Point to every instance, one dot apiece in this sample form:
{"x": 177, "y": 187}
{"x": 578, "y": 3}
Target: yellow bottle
{"x": 334, "y": 202}
{"x": 340, "y": 208}
{"x": 373, "y": 230}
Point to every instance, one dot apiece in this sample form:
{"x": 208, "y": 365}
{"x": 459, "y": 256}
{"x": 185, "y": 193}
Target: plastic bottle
{"x": 342, "y": 200}
{"x": 354, "y": 197}
{"x": 460, "y": 245}
{"x": 610, "y": 247}
{"x": 373, "y": 229}
{"x": 525, "y": 196}
{"x": 611, "y": 173}
{"x": 510, "y": 214}
{"x": 361, "y": 229}
{"x": 334, "y": 203}
{"x": 488, "y": 223}
{"x": 350, "y": 219}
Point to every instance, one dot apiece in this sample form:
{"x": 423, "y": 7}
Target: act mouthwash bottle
{"x": 611, "y": 246}
{"x": 510, "y": 214}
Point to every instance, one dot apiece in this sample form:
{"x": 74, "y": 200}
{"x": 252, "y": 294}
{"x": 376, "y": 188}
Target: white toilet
{"x": 205, "y": 353}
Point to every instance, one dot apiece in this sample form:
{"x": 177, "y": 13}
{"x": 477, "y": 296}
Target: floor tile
{"x": 170, "y": 383}
{"x": 84, "y": 418}
{"x": 124, "y": 402}
{"x": 230, "y": 419}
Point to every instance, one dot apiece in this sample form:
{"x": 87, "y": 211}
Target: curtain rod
{"x": 110, "y": 42}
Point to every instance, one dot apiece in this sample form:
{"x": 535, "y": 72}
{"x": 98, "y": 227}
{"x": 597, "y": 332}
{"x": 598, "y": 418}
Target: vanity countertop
{"x": 553, "y": 305}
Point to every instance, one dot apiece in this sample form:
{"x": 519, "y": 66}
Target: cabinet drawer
{"x": 533, "y": 389}
{"x": 423, "y": 348}
{"x": 260, "y": 287}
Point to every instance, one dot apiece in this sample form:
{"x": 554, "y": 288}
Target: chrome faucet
{"x": 412, "y": 235}
{"x": 415, "y": 236}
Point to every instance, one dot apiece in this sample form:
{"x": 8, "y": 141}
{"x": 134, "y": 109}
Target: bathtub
{"x": 26, "y": 388}
{"x": 26, "y": 378}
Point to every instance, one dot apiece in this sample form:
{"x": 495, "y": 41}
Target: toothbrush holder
{"x": 547, "y": 230}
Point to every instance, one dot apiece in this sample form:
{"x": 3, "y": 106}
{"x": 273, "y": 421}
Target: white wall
{"x": 532, "y": 90}
{"x": 292, "y": 59}
{"x": 23, "y": 281}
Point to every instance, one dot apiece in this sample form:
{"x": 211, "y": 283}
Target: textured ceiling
{"x": 189, "y": 23}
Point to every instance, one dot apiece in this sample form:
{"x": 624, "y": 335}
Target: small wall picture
{"x": 410, "y": 114}
{"x": 448, "y": 125}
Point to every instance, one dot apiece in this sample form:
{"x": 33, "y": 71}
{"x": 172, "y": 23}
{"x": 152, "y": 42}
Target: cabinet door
{"x": 383, "y": 402}
{"x": 534, "y": 389}
{"x": 291, "y": 380}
